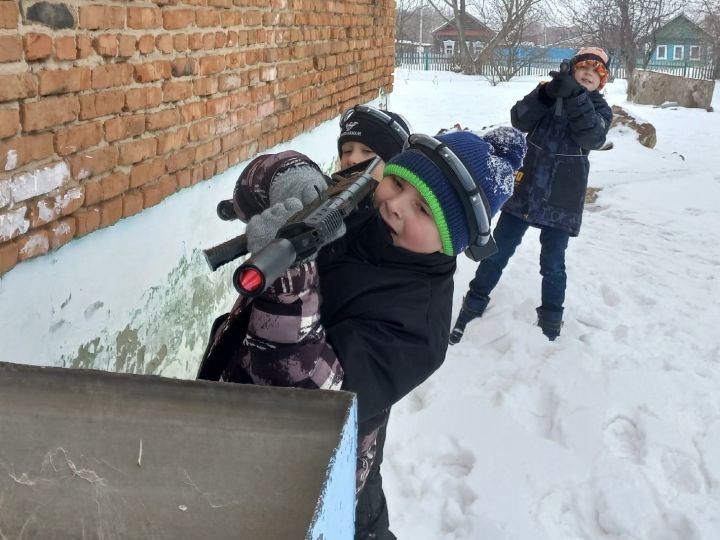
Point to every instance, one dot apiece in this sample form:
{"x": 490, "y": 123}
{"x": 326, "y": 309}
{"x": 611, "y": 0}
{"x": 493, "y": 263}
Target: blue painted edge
{"x": 334, "y": 517}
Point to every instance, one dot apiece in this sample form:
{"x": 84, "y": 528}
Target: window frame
{"x": 657, "y": 52}
{"x": 682, "y": 52}
{"x": 690, "y": 53}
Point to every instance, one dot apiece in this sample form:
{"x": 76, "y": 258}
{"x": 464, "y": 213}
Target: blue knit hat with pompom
{"x": 491, "y": 160}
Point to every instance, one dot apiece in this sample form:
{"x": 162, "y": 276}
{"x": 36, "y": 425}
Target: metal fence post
{"x": 426, "y": 54}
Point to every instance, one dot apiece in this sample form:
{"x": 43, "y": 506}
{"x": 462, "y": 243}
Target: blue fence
{"x": 541, "y": 65}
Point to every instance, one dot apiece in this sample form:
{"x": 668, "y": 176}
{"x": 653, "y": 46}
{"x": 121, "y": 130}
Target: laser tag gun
{"x": 303, "y": 234}
{"x": 565, "y": 67}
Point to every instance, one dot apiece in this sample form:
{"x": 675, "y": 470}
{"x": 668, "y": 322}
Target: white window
{"x": 694, "y": 52}
{"x": 678, "y": 52}
{"x": 449, "y": 46}
{"x": 661, "y": 53}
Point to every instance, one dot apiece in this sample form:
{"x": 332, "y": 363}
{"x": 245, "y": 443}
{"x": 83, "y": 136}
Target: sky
{"x": 613, "y": 430}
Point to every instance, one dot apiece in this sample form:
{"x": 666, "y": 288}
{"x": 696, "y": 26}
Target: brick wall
{"x": 108, "y": 107}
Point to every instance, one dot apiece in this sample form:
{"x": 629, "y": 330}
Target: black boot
{"x": 550, "y": 322}
{"x": 472, "y": 308}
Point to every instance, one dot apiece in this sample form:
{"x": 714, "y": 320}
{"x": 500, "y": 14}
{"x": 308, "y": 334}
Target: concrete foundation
{"x": 86, "y": 454}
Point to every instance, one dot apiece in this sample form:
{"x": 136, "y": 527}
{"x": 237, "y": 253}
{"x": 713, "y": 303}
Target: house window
{"x": 694, "y": 52}
{"x": 449, "y": 47}
{"x": 661, "y": 53}
{"x": 678, "y": 52}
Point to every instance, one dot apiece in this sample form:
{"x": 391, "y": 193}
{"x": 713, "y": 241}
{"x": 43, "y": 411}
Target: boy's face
{"x": 587, "y": 77}
{"x": 354, "y": 152}
{"x": 408, "y": 216}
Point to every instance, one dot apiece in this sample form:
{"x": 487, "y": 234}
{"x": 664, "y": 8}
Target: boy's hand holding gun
{"x": 563, "y": 84}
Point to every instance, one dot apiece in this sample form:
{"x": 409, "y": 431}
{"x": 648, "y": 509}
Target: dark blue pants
{"x": 508, "y": 234}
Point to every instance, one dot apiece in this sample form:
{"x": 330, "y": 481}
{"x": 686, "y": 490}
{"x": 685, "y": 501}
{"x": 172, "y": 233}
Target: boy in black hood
{"x": 372, "y": 313}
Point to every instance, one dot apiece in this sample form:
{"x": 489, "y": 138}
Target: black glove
{"x": 562, "y": 85}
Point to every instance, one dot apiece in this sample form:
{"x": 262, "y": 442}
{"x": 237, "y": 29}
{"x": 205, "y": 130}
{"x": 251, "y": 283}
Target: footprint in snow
{"x": 625, "y": 439}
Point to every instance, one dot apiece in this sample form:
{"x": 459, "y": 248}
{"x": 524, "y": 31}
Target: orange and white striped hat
{"x": 596, "y": 58}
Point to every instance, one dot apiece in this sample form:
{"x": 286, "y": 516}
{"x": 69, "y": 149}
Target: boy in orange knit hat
{"x": 565, "y": 119}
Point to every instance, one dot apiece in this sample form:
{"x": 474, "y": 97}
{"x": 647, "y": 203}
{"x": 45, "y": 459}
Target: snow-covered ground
{"x": 613, "y": 430}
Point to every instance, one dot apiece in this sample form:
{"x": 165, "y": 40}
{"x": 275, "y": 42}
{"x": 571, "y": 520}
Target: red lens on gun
{"x": 250, "y": 280}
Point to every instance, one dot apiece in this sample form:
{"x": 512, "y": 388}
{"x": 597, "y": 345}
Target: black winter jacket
{"x": 550, "y": 186}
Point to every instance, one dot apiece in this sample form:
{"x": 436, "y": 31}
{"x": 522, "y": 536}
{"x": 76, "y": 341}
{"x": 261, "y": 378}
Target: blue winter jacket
{"x": 550, "y": 186}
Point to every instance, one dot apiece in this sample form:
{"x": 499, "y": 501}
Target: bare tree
{"x": 709, "y": 12}
{"x": 626, "y": 28}
{"x": 513, "y": 18}
{"x": 405, "y": 12}
{"x": 458, "y": 12}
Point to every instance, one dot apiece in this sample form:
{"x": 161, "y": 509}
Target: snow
{"x": 613, "y": 430}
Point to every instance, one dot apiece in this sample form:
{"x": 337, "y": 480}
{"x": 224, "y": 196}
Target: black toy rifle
{"x": 302, "y": 236}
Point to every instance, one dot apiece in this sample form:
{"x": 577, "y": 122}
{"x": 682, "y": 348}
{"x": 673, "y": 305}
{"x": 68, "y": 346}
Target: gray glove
{"x": 262, "y": 228}
{"x": 302, "y": 182}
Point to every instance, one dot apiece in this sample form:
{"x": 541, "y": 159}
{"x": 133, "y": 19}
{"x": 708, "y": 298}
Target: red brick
{"x": 164, "y": 43}
{"x": 180, "y": 42}
{"x": 101, "y": 17}
{"x": 63, "y": 81}
{"x": 183, "y": 67}
{"x": 11, "y": 49}
{"x": 114, "y": 185}
{"x": 200, "y": 131}
{"x": 84, "y": 46}
{"x": 87, "y": 220}
{"x": 146, "y": 44}
{"x": 207, "y": 150}
{"x": 50, "y": 209}
{"x": 101, "y": 104}
{"x": 106, "y": 45}
{"x": 208, "y": 41}
{"x": 65, "y": 48}
{"x": 132, "y": 203}
{"x": 17, "y": 86}
{"x": 33, "y": 244}
{"x": 177, "y": 90}
{"x": 9, "y": 15}
{"x": 18, "y": 151}
{"x": 153, "y": 71}
{"x": 124, "y": 127}
{"x": 177, "y": 19}
{"x": 8, "y": 252}
{"x": 168, "y": 185}
{"x": 152, "y": 195}
{"x": 95, "y": 162}
{"x": 49, "y": 112}
{"x": 205, "y": 87}
{"x": 192, "y": 111}
{"x": 134, "y": 151}
{"x": 207, "y": 17}
{"x": 172, "y": 141}
{"x": 210, "y": 65}
{"x": 147, "y": 171}
{"x": 220, "y": 39}
{"x": 111, "y": 211}
{"x": 37, "y": 46}
{"x": 143, "y": 98}
{"x": 110, "y": 75}
{"x": 195, "y": 41}
{"x": 61, "y": 232}
{"x": 184, "y": 179}
{"x": 181, "y": 160}
{"x": 71, "y": 140}
{"x": 9, "y": 123}
{"x": 144, "y": 17}
{"x": 126, "y": 46}
{"x": 162, "y": 119}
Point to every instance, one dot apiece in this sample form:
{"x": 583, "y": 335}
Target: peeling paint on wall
{"x": 168, "y": 332}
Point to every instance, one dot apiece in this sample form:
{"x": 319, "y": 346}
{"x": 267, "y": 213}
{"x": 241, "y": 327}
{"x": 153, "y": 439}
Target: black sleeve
{"x": 530, "y": 109}
{"x": 589, "y": 122}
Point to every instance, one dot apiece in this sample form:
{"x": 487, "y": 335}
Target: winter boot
{"x": 472, "y": 308}
{"x": 550, "y": 322}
